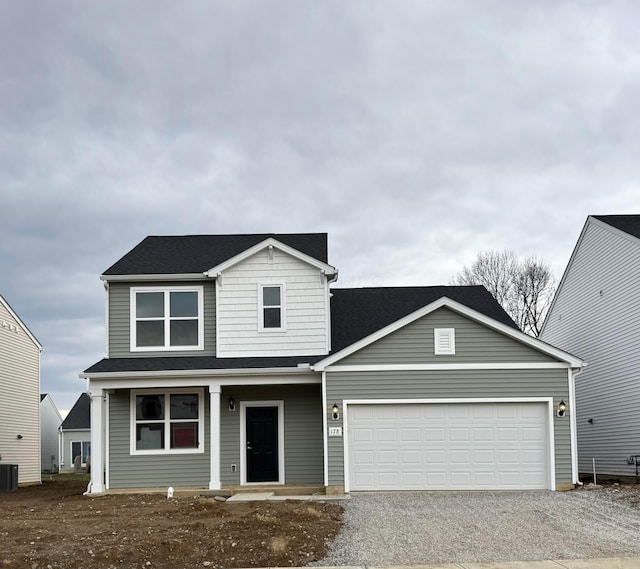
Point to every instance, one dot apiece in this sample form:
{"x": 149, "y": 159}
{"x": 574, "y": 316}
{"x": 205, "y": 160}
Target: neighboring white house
{"x": 596, "y": 316}
{"x": 50, "y": 421}
{"x": 19, "y": 396}
{"x": 75, "y": 436}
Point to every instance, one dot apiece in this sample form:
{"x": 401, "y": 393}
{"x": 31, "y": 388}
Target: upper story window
{"x": 272, "y": 314}
{"x": 166, "y": 318}
{"x": 445, "y": 341}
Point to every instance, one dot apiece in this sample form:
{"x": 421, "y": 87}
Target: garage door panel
{"x": 434, "y": 434}
{"x": 361, "y": 434}
{"x": 387, "y": 435}
{"x": 448, "y": 446}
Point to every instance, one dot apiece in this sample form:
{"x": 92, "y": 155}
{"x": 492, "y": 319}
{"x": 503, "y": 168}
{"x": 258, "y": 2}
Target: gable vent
{"x": 445, "y": 341}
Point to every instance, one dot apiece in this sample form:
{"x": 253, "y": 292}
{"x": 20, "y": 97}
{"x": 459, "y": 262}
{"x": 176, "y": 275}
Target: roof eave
{"x": 156, "y": 277}
{"x": 444, "y": 301}
{"x": 270, "y": 242}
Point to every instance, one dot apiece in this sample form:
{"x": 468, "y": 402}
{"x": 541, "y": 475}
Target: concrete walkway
{"x": 610, "y": 563}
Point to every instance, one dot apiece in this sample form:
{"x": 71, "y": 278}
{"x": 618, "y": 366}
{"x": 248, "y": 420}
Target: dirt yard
{"x": 54, "y": 527}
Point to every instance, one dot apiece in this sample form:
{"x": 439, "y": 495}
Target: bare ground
{"x": 53, "y": 526}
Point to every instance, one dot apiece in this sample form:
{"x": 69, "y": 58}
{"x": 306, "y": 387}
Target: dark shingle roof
{"x": 195, "y": 362}
{"x": 355, "y": 314}
{"x": 80, "y": 415}
{"x": 157, "y": 255}
{"x": 628, "y": 223}
{"x": 358, "y": 312}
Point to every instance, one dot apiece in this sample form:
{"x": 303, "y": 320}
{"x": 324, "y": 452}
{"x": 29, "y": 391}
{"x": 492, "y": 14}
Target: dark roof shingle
{"x": 80, "y": 415}
{"x": 185, "y": 254}
{"x": 628, "y": 223}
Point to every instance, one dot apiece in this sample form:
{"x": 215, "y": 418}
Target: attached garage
{"x": 449, "y": 446}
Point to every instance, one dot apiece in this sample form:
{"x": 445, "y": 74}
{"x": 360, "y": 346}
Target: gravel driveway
{"x": 457, "y": 527}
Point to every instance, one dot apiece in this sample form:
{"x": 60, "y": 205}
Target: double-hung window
{"x": 167, "y": 422}
{"x": 166, "y": 318}
{"x": 271, "y": 307}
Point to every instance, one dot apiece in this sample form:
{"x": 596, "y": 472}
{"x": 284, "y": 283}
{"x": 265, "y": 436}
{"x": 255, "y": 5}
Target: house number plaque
{"x": 335, "y": 431}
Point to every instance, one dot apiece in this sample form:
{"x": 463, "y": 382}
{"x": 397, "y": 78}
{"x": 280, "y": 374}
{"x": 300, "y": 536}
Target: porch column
{"x": 214, "y": 436}
{"x": 97, "y": 438}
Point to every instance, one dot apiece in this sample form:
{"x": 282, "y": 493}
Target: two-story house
{"x": 596, "y": 313}
{"x": 19, "y": 399}
{"x": 232, "y": 361}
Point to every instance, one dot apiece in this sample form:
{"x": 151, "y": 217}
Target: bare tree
{"x": 523, "y": 288}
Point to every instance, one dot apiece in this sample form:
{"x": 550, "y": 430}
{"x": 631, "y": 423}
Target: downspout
{"x": 572, "y": 425}
{"x": 106, "y": 318}
{"x": 325, "y": 442}
{"x": 60, "y": 449}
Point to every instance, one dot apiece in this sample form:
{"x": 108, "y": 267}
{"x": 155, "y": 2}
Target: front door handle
{"x": 249, "y": 447}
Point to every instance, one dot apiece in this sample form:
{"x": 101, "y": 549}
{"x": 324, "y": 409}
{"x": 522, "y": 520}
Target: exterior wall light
{"x": 335, "y": 412}
{"x": 562, "y": 408}
{"x": 232, "y": 404}
{"x": 19, "y": 437}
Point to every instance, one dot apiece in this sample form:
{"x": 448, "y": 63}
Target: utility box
{"x": 8, "y": 477}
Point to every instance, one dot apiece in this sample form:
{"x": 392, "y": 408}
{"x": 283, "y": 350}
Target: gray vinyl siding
{"x": 120, "y": 322}
{"x": 604, "y": 330}
{"x": 449, "y": 384}
{"x": 303, "y": 445}
{"x": 137, "y": 471}
{"x": 474, "y": 342}
{"x": 303, "y": 441}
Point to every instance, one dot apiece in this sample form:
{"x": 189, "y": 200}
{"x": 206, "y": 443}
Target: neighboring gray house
{"x": 231, "y": 362}
{"x": 50, "y": 420}
{"x": 596, "y": 314}
{"x": 19, "y": 396}
{"x": 75, "y": 436}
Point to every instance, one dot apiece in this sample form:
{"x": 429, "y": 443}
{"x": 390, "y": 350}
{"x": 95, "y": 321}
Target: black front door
{"x": 262, "y": 444}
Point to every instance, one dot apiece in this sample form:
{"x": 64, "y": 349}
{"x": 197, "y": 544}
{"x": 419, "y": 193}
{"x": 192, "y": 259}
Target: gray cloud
{"x": 415, "y": 134}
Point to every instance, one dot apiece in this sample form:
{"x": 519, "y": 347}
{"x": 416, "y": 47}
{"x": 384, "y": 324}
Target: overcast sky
{"x": 416, "y": 134}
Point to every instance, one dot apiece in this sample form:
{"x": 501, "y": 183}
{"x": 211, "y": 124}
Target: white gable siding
{"x": 19, "y": 399}
{"x": 305, "y": 308}
{"x": 50, "y": 420}
{"x": 596, "y": 316}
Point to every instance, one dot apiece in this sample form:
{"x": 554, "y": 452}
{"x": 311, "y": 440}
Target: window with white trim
{"x": 166, "y": 318}
{"x": 445, "y": 341}
{"x": 271, "y": 307}
{"x": 80, "y": 449}
{"x": 167, "y": 422}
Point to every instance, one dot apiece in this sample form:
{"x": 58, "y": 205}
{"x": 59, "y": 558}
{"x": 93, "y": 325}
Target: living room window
{"x": 166, "y": 318}
{"x": 167, "y": 422}
{"x": 271, "y": 309}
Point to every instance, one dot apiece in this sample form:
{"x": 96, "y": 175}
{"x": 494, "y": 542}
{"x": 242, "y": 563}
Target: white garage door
{"x": 462, "y": 446}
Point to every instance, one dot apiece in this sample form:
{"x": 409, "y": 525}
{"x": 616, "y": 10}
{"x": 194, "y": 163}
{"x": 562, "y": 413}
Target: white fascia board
{"x": 270, "y": 242}
{"x": 463, "y": 310}
{"x": 448, "y": 366}
{"x": 133, "y": 382}
{"x": 154, "y": 277}
{"x": 615, "y": 230}
{"x": 194, "y": 373}
{"x": 52, "y": 405}
{"x": 19, "y": 321}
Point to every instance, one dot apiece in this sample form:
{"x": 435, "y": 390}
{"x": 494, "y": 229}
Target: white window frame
{"x": 261, "y": 306}
{"x": 439, "y": 333}
{"x": 167, "y": 421}
{"x": 82, "y": 444}
{"x": 167, "y": 318}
